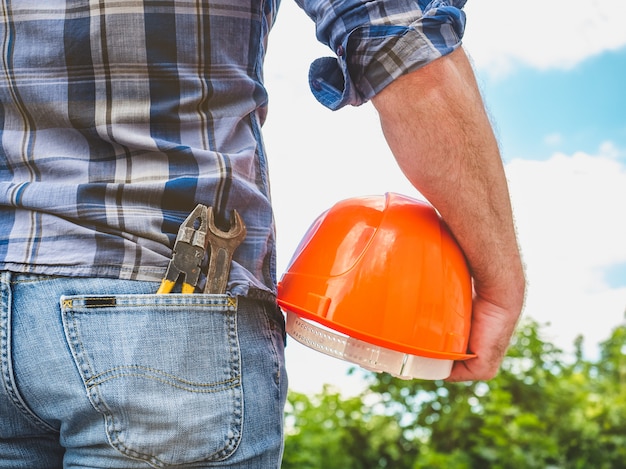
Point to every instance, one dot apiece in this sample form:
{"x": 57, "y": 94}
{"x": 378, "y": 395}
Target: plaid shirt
{"x": 118, "y": 117}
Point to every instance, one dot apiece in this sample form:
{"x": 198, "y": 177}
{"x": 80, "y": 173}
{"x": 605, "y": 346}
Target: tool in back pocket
{"x": 198, "y": 236}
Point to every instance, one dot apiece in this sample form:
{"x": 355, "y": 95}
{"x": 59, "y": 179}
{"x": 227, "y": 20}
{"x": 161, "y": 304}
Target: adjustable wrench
{"x": 222, "y": 245}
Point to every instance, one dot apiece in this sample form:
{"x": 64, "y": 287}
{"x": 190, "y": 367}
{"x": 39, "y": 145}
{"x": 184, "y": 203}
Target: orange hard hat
{"x": 381, "y": 282}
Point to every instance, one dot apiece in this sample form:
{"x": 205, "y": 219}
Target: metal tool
{"x": 222, "y": 245}
{"x": 189, "y": 250}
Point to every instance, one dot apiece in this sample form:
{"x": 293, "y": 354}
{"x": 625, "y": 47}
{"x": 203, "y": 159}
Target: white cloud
{"x": 553, "y": 139}
{"x": 552, "y": 34}
{"x": 609, "y": 150}
{"x": 568, "y": 212}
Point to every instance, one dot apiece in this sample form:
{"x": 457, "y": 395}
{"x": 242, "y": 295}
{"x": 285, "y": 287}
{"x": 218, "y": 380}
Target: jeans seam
{"x": 271, "y": 333}
{"x": 8, "y": 379}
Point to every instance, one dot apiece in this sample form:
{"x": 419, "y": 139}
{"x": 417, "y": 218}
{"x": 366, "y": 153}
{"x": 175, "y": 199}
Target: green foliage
{"x": 328, "y": 431}
{"x": 543, "y": 410}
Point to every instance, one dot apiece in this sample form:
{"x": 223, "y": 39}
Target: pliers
{"x": 189, "y": 251}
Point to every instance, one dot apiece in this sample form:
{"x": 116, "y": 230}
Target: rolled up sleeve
{"x": 377, "y": 41}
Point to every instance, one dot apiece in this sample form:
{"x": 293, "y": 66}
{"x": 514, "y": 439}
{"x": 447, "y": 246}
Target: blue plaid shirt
{"x": 118, "y": 117}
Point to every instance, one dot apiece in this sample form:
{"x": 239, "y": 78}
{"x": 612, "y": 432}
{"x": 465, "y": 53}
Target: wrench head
{"x": 237, "y": 226}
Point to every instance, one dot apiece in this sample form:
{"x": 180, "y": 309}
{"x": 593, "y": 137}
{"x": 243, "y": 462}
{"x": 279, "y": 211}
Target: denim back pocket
{"x": 163, "y": 370}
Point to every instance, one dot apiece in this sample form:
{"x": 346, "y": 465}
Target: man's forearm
{"x": 436, "y": 126}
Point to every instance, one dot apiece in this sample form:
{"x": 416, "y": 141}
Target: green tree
{"x": 327, "y": 431}
{"x": 545, "y": 409}
{"x": 607, "y": 403}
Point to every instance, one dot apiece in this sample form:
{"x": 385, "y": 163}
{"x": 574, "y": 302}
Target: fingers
{"x": 492, "y": 329}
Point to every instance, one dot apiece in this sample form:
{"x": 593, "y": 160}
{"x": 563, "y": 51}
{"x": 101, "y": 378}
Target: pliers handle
{"x": 189, "y": 250}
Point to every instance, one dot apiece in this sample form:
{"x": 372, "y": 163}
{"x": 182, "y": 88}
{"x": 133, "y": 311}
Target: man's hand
{"x": 492, "y": 327}
{"x": 437, "y": 128}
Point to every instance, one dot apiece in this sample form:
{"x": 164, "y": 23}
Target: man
{"x": 118, "y": 118}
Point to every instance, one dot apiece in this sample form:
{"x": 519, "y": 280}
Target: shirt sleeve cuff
{"x": 371, "y": 57}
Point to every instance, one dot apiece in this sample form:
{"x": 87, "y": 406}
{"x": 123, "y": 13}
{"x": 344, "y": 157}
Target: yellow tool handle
{"x": 165, "y": 287}
{"x": 188, "y": 288}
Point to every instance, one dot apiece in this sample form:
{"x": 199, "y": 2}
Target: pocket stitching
{"x": 191, "y": 385}
{"x": 90, "y": 378}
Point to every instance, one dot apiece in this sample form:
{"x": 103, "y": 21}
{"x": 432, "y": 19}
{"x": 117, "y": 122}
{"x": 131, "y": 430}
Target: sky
{"x": 554, "y": 84}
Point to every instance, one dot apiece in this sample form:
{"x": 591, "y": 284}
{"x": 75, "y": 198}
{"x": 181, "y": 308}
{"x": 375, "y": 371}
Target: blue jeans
{"x": 103, "y": 373}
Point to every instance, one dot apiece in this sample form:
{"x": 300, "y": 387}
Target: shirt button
{"x": 340, "y": 51}
{"x": 316, "y": 85}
